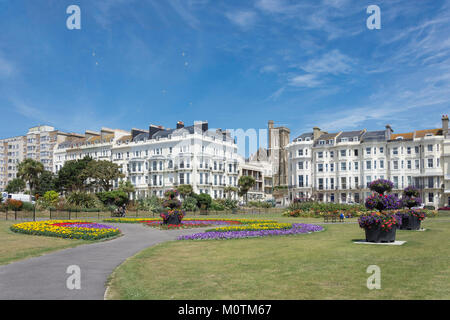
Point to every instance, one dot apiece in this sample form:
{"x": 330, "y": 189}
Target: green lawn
{"x": 323, "y": 265}
{"x": 16, "y": 246}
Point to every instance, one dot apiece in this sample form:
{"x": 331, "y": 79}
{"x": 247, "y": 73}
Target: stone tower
{"x": 278, "y": 157}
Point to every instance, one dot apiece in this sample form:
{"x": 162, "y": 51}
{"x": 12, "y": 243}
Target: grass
{"x": 16, "y": 246}
{"x": 323, "y": 265}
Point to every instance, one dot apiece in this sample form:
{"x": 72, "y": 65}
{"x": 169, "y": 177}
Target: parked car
{"x": 21, "y": 197}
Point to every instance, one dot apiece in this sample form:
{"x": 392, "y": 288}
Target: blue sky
{"x": 236, "y": 64}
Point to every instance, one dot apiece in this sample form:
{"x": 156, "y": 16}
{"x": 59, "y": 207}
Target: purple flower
{"x": 297, "y": 228}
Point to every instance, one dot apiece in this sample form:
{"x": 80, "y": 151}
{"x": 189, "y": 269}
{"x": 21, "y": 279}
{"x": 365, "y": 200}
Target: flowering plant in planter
{"x": 383, "y": 202}
{"x": 381, "y": 186}
{"x": 171, "y": 194}
{"x": 375, "y": 219}
{"x": 411, "y": 201}
{"x": 411, "y": 191}
{"x": 176, "y": 212}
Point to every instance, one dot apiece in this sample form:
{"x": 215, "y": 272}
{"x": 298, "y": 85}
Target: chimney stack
{"x": 445, "y": 125}
{"x": 316, "y": 133}
{"x": 388, "y": 132}
{"x": 180, "y": 124}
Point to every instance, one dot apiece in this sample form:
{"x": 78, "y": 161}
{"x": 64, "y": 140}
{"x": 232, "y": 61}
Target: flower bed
{"x": 182, "y": 225}
{"x": 296, "y": 228}
{"x": 72, "y": 229}
{"x": 212, "y": 220}
{"x": 253, "y": 227}
{"x": 320, "y": 209}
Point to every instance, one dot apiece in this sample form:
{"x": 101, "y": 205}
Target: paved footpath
{"x": 45, "y": 277}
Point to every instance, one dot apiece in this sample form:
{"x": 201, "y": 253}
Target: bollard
{"x": 69, "y": 214}
{"x": 34, "y": 213}
{"x": 15, "y": 214}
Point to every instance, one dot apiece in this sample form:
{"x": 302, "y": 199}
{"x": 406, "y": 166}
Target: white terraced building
{"x": 159, "y": 159}
{"x": 337, "y": 167}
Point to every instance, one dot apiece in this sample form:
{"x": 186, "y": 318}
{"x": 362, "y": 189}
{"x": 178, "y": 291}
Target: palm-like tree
{"x": 245, "y": 184}
{"x": 29, "y": 170}
{"x": 230, "y": 190}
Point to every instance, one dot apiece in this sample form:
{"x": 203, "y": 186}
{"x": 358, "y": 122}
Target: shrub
{"x": 230, "y": 204}
{"x": 204, "y": 201}
{"x": 217, "y": 205}
{"x": 152, "y": 204}
{"x": 81, "y": 199}
{"x": 318, "y": 209}
{"x": 14, "y": 204}
{"x": 259, "y": 204}
{"x": 190, "y": 204}
{"x": 27, "y": 206}
{"x": 49, "y": 199}
{"x": 115, "y": 197}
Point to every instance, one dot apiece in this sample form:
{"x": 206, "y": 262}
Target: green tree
{"x": 190, "y": 203}
{"x": 46, "y": 182}
{"x": 49, "y": 199}
{"x": 127, "y": 187}
{"x": 229, "y": 190}
{"x": 115, "y": 197}
{"x": 185, "y": 190}
{"x": 103, "y": 173}
{"x": 72, "y": 176}
{"x": 29, "y": 170}
{"x": 245, "y": 184}
{"x": 16, "y": 185}
{"x": 204, "y": 201}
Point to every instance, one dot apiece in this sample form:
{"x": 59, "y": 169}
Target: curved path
{"x": 45, "y": 277}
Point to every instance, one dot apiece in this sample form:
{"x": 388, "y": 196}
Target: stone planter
{"x": 172, "y": 220}
{"x": 410, "y": 223}
{"x": 375, "y": 234}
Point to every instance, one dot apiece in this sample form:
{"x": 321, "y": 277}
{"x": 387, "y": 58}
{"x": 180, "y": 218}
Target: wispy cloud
{"x": 306, "y": 81}
{"x": 244, "y": 18}
{"x": 333, "y": 62}
{"x": 7, "y": 67}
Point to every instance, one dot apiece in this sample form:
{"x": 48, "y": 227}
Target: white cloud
{"x": 306, "y": 80}
{"x": 243, "y": 19}
{"x": 277, "y": 94}
{"x": 7, "y": 68}
{"x": 333, "y": 62}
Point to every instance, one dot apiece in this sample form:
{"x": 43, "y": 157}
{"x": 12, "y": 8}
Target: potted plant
{"x": 411, "y": 219}
{"x": 173, "y": 214}
{"x": 381, "y": 226}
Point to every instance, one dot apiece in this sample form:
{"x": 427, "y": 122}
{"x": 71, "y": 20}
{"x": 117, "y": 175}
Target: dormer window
{"x": 429, "y": 135}
{"x": 307, "y": 139}
{"x": 344, "y": 140}
{"x": 322, "y": 142}
{"x": 299, "y": 139}
{"x": 399, "y": 138}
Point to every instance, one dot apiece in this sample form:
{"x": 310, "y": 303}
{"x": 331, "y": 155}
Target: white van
{"x": 21, "y": 197}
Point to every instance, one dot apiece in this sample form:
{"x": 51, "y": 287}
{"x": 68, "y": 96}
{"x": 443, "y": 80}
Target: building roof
{"x": 374, "y": 136}
{"x": 303, "y": 136}
{"x": 423, "y": 133}
{"x": 351, "y": 134}
{"x": 404, "y": 136}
